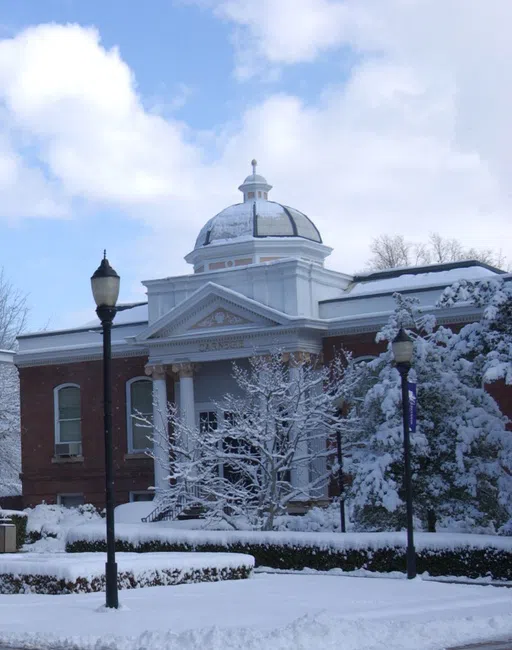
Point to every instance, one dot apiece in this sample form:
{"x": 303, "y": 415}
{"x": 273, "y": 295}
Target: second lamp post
{"x": 402, "y": 347}
{"x": 105, "y": 288}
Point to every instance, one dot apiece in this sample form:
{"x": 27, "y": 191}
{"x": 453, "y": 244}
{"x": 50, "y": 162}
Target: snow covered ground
{"x": 267, "y": 612}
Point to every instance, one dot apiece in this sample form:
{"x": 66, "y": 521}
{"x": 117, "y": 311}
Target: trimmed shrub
{"x": 44, "y": 584}
{"x": 457, "y": 560}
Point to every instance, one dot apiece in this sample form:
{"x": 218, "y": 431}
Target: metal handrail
{"x": 165, "y": 511}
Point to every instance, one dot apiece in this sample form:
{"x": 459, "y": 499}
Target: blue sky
{"x": 126, "y": 125}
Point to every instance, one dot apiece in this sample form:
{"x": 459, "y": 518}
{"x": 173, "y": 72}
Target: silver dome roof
{"x": 257, "y": 218}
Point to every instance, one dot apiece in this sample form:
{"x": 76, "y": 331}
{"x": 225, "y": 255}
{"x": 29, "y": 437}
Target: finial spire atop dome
{"x": 255, "y": 187}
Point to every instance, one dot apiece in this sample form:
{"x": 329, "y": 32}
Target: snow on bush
{"x": 85, "y": 572}
{"x": 444, "y": 554}
{"x": 53, "y": 521}
{"x": 315, "y": 520}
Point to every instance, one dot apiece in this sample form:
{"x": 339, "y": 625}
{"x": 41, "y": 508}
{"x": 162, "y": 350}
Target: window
{"x": 135, "y": 497}
{"x": 68, "y": 425}
{"x": 70, "y": 500}
{"x": 139, "y": 406}
{"x": 207, "y": 421}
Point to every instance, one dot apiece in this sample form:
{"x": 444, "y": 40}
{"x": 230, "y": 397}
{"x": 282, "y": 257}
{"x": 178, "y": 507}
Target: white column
{"x": 299, "y": 474}
{"x": 160, "y": 427}
{"x": 185, "y": 372}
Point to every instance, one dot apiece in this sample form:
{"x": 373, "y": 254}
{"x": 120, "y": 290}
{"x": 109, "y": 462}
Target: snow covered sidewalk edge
{"x": 85, "y": 572}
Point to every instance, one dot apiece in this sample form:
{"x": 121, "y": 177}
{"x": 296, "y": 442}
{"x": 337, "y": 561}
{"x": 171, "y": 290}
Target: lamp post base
{"x": 112, "y": 600}
{"x": 411, "y": 562}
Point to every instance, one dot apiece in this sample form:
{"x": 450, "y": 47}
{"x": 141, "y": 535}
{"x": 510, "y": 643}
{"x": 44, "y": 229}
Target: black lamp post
{"x": 402, "y": 352}
{"x": 339, "y": 405}
{"x": 105, "y": 289}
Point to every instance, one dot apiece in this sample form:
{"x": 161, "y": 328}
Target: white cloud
{"x": 287, "y": 31}
{"x": 417, "y": 140}
{"x": 78, "y": 103}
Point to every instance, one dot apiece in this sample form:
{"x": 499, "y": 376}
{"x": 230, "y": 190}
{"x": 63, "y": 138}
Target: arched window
{"x": 68, "y": 422}
{"x": 139, "y": 407}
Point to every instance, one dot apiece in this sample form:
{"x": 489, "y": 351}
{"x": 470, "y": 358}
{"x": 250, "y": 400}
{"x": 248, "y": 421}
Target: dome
{"x": 256, "y": 217}
{"x": 257, "y": 231}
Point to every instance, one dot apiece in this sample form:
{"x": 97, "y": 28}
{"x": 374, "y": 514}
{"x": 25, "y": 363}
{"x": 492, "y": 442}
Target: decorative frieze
{"x": 220, "y": 318}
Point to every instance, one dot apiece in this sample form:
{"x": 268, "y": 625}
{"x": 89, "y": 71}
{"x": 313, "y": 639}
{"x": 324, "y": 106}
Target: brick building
{"x": 258, "y": 283}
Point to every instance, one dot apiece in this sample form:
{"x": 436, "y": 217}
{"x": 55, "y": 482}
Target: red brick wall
{"x": 43, "y": 479}
{"x": 359, "y": 344}
{"x": 364, "y": 344}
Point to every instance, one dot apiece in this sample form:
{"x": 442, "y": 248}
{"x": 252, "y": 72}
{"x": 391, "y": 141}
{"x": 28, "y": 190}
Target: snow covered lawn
{"x": 61, "y": 573}
{"x": 266, "y": 612}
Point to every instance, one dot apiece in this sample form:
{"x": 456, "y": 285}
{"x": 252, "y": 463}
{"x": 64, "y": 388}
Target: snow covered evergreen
{"x": 460, "y": 450}
{"x": 488, "y": 342}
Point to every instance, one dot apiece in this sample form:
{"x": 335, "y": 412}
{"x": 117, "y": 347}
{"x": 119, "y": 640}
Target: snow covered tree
{"x": 10, "y": 443}
{"x": 460, "y": 449}
{"x": 269, "y": 448}
{"x": 488, "y": 342}
{"x": 13, "y": 315}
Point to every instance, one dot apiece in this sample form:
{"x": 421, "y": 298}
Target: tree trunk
{"x": 431, "y": 521}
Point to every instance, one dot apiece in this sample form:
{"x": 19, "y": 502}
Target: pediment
{"x": 216, "y": 310}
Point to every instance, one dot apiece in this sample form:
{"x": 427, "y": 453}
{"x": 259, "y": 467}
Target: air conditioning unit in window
{"x": 68, "y": 449}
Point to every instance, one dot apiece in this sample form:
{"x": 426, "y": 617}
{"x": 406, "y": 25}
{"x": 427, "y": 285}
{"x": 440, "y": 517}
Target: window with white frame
{"x": 139, "y": 405}
{"x": 68, "y": 422}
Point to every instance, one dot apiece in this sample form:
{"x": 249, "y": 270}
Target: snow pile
{"x": 132, "y": 513}
{"x": 61, "y": 573}
{"x": 48, "y": 525}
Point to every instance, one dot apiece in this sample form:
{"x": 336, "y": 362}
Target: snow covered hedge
{"x": 19, "y": 519}
{"x": 440, "y": 554}
{"x": 85, "y": 573}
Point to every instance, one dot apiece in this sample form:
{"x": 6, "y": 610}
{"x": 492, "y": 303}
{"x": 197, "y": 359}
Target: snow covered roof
{"x": 129, "y": 314}
{"x": 407, "y": 278}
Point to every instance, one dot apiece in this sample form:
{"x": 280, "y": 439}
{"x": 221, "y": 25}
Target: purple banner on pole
{"x": 412, "y": 406}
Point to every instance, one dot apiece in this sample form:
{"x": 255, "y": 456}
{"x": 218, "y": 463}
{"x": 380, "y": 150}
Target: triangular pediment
{"x": 216, "y": 310}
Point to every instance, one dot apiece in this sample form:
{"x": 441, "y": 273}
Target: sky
{"x": 127, "y": 125}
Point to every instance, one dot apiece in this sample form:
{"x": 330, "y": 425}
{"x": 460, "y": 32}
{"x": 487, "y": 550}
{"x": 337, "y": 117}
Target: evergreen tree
{"x": 488, "y": 342}
{"x": 460, "y": 448}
